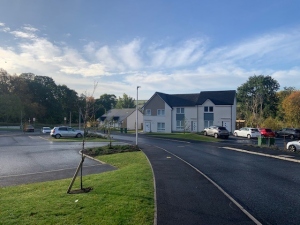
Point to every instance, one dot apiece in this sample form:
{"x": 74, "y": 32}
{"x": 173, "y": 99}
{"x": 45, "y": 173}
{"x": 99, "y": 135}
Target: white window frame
{"x": 161, "y": 112}
{"x": 179, "y": 110}
{"x": 179, "y": 124}
{"x": 148, "y": 112}
{"x": 208, "y": 109}
{"x": 161, "y": 127}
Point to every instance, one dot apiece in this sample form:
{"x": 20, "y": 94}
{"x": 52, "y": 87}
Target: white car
{"x": 248, "y": 132}
{"x": 59, "y": 132}
{"x": 293, "y": 146}
{"x": 46, "y": 130}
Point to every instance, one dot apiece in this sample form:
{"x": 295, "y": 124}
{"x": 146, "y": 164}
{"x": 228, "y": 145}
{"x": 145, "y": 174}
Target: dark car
{"x": 216, "y": 131}
{"x": 291, "y": 133}
{"x": 28, "y": 128}
{"x": 265, "y": 132}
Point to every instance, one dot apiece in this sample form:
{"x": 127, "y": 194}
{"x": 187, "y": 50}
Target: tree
{"x": 257, "y": 99}
{"x": 281, "y": 96}
{"x": 104, "y": 104}
{"x": 291, "y": 107}
{"x": 125, "y": 102}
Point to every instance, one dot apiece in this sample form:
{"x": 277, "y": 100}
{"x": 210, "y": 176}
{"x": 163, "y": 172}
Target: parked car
{"x": 28, "y": 128}
{"x": 293, "y": 146}
{"x": 248, "y": 132}
{"x": 291, "y": 133}
{"x": 63, "y": 131}
{"x": 46, "y": 130}
{"x": 216, "y": 131}
{"x": 266, "y": 132}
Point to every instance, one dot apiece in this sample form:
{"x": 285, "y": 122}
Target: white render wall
{"x": 222, "y": 114}
{"x": 153, "y": 120}
{"x": 131, "y": 120}
{"x": 190, "y": 114}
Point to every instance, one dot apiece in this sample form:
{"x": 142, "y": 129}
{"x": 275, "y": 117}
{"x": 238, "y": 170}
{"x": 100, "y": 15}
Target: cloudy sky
{"x": 170, "y": 46}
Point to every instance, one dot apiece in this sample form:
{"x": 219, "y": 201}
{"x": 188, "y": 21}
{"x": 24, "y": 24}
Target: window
{"x": 160, "y": 112}
{"x": 208, "y": 123}
{"x": 208, "y": 119}
{"x": 208, "y": 108}
{"x": 179, "y": 124}
{"x": 179, "y": 110}
{"x": 160, "y": 127}
{"x": 148, "y": 112}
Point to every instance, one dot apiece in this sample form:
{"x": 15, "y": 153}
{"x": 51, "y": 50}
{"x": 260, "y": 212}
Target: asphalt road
{"x": 266, "y": 188}
{"x": 196, "y": 183}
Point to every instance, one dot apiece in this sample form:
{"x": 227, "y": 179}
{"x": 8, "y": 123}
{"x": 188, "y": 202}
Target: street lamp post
{"x": 137, "y": 117}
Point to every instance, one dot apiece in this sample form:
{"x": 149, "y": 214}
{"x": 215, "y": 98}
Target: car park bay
{"x": 27, "y": 158}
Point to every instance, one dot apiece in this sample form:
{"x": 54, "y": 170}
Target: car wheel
{"x": 79, "y": 135}
{"x": 57, "y": 136}
{"x": 248, "y": 136}
{"x": 292, "y": 136}
{"x": 205, "y": 134}
{"x": 292, "y": 148}
{"x": 216, "y": 135}
{"x": 235, "y": 134}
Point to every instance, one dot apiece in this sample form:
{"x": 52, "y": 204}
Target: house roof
{"x": 176, "y": 100}
{"x": 185, "y": 100}
{"x": 117, "y": 114}
{"x": 217, "y": 97}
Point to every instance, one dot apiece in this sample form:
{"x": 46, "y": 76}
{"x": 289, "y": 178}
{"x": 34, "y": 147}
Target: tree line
{"x": 259, "y": 101}
{"x": 33, "y": 97}
{"x": 261, "y": 104}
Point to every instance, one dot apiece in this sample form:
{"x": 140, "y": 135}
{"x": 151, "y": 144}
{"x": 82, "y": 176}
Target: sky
{"x": 169, "y": 46}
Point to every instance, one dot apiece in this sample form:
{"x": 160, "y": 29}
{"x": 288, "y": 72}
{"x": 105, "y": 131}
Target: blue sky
{"x": 169, "y": 46}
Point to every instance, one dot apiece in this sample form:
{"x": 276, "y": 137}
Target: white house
{"x": 122, "y": 118}
{"x": 191, "y": 112}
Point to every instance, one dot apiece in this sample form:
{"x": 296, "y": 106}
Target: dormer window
{"x": 208, "y": 108}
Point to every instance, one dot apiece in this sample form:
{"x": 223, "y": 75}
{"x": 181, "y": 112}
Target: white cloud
{"x": 129, "y": 54}
{"x": 179, "y": 55}
{"x": 189, "y": 66}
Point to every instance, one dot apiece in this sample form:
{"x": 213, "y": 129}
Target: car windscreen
{"x": 222, "y": 128}
{"x": 255, "y": 130}
{"x": 268, "y": 130}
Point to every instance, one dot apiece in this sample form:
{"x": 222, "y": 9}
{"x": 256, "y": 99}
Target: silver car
{"x": 216, "y": 131}
{"x": 293, "y": 146}
{"x": 59, "y": 132}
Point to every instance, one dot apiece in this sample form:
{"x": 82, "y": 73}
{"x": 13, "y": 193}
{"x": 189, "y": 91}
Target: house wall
{"x": 190, "y": 115}
{"x": 150, "y": 122}
{"x": 130, "y": 121}
{"x": 224, "y": 115}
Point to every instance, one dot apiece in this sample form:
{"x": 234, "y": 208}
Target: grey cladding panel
{"x": 155, "y": 104}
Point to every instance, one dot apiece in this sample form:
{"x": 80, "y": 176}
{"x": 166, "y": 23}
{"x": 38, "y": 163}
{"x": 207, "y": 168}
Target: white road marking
{"x": 263, "y": 154}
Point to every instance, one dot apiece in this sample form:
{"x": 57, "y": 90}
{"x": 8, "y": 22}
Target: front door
{"x": 147, "y": 126}
{"x": 227, "y": 125}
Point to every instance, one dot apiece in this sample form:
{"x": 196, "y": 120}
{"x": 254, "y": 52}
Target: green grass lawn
{"x": 185, "y": 136}
{"x": 123, "y": 196}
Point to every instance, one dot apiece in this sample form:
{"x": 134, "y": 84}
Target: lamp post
{"x": 137, "y": 117}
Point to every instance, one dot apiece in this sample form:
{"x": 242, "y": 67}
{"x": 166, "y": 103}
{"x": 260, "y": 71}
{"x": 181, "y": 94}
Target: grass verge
{"x": 123, "y": 196}
{"x": 185, "y": 136}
